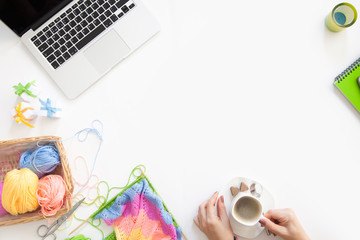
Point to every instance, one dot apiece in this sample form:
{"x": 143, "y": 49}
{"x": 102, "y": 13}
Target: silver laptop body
{"x": 86, "y": 38}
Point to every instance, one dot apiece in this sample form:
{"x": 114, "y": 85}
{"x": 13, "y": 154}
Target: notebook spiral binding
{"x": 347, "y": 71}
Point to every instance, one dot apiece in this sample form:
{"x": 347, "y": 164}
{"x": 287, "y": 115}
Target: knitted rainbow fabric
{"x": 139, "y": 214}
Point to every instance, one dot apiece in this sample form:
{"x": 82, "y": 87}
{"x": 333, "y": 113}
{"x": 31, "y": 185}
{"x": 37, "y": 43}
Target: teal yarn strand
{"x": 41, "y": 161}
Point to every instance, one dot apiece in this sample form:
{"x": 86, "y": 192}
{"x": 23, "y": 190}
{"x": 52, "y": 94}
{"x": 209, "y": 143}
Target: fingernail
{"x": 215, "y": 193}
{"x": 222, "y": 199}
{"x": 262, "y": 222}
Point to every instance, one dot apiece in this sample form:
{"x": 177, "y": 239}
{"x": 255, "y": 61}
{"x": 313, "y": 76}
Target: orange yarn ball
{"x": 51, "y": 193}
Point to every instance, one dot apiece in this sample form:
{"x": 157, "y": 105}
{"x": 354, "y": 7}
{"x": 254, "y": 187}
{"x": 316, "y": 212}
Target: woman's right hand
{"x": 284, "y": 223}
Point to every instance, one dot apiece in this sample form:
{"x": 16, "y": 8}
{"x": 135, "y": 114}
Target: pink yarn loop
{"x": 88, "y": 176}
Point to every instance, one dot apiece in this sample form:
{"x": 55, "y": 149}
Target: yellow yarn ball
{"x": 19, "y": 191}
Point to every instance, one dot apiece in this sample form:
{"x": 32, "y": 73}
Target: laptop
{"x": 78, "y": 41}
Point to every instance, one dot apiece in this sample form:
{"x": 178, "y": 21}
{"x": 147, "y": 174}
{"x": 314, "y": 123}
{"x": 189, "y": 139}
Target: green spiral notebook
{"x": 346, "y": 82}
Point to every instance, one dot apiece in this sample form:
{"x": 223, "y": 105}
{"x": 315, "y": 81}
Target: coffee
{"x": 247, "y": 210}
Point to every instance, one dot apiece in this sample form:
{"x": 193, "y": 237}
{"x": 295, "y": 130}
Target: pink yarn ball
{"x": 2, "y": 210}
{"x": 50, "y": 194}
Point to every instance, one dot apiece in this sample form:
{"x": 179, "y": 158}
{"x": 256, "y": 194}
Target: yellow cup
{"x": 342, "y": 16}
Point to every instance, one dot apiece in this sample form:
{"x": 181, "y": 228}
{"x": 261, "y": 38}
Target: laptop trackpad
{"x": 107, "y": 51}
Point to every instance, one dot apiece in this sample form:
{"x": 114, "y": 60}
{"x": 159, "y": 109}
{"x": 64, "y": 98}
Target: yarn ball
{"x": 41, "y": 161}
{"x": 78, "y": 237}
{"x": 19, "y": 191}
{"x": 51, "y": 193}
{"x": 2, "y": 210}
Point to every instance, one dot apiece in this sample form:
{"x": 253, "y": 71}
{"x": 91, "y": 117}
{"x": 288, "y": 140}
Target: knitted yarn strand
{"x": 19, "y": 191}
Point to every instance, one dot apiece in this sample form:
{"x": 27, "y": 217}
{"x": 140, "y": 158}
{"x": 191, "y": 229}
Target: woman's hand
{"x": 213, "y": 226}
{"x": 283, "y": 222}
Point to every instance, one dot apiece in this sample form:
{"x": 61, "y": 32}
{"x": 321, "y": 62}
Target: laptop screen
{"x": 21, "y": 15}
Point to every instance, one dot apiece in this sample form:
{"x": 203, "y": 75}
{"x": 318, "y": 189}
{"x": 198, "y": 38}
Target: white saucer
{"x": 266, "y": 200}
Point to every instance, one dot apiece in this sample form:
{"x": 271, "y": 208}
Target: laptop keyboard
{"x": 77, "y": 26}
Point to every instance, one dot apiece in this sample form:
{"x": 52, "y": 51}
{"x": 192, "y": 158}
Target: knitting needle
{"x": 184, "y": 235}
{"x": 142, "y": 172}
{"x": 79, "y": 226}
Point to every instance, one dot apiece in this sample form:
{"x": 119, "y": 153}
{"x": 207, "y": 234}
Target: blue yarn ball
{"x": 41, "y": 161}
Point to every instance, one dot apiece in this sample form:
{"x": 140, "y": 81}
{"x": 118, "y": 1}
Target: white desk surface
{"x": 227, "y": 88}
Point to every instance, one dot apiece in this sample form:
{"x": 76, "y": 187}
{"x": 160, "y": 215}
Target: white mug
{"x": 246, "y": 209}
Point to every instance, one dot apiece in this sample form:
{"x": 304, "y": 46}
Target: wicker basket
{"x": 9, "y": 152}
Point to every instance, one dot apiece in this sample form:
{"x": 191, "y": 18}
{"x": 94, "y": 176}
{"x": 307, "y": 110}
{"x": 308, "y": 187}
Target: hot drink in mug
{"x": 246, "y": 209}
